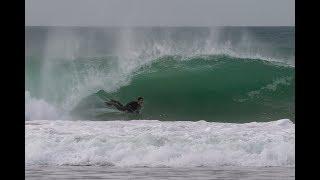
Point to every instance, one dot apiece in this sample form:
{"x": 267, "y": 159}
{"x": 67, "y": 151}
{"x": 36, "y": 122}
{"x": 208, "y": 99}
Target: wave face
{"x": 212, "y": 74}
{"x": 213, "y": 87}
{"x": 155, "y": 143}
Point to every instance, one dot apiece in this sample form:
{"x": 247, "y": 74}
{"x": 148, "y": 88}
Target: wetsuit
{"x": 131, "y": 107}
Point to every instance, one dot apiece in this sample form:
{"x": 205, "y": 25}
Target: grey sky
{"x": 160, "y": 12}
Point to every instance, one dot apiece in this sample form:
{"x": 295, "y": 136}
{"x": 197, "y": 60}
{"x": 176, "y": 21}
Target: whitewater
{"x": 153, "y": 143}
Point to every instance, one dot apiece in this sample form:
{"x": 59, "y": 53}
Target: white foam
{"x": 156, "y": 143}
{"x": 39, "y": 109}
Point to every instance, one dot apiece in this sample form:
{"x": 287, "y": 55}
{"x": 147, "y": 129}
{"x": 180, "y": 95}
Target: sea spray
{"x": 39, "y": 109}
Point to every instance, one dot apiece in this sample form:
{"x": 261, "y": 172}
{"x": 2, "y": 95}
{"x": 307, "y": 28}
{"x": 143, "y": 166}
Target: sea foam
{"x": 154, "y": 143}
{"x": 39, "y": 109}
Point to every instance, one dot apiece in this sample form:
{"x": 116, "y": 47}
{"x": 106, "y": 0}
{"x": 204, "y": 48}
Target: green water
{"x": 218, "y": 88}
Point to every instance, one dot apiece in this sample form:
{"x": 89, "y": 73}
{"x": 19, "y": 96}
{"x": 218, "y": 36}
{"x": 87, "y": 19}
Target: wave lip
{"x": 154, "y": 143}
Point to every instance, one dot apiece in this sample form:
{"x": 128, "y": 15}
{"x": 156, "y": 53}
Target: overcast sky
{"x": 160, "y": 13}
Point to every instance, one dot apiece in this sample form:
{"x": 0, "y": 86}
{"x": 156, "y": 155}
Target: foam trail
{"x": 155, "y": 143}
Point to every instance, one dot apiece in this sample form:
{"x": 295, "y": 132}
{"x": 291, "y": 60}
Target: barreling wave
{"x": 220, "y": 88}
{"x": 208, "y": 87}
{"x": 226, "y": 75}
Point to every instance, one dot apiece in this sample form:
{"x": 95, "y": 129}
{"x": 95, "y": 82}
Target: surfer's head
{"x": 140, "y": 100}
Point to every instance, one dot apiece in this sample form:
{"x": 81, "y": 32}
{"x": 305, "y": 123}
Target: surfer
{"x": 131, "y": 107}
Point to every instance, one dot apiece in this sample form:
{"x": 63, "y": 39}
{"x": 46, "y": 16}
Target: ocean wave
{"x": 183, "y": 73}
{"x": 174, "y": 87}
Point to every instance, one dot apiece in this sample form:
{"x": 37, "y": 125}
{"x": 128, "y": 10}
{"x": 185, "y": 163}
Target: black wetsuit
{"x": 131, "y": 107}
